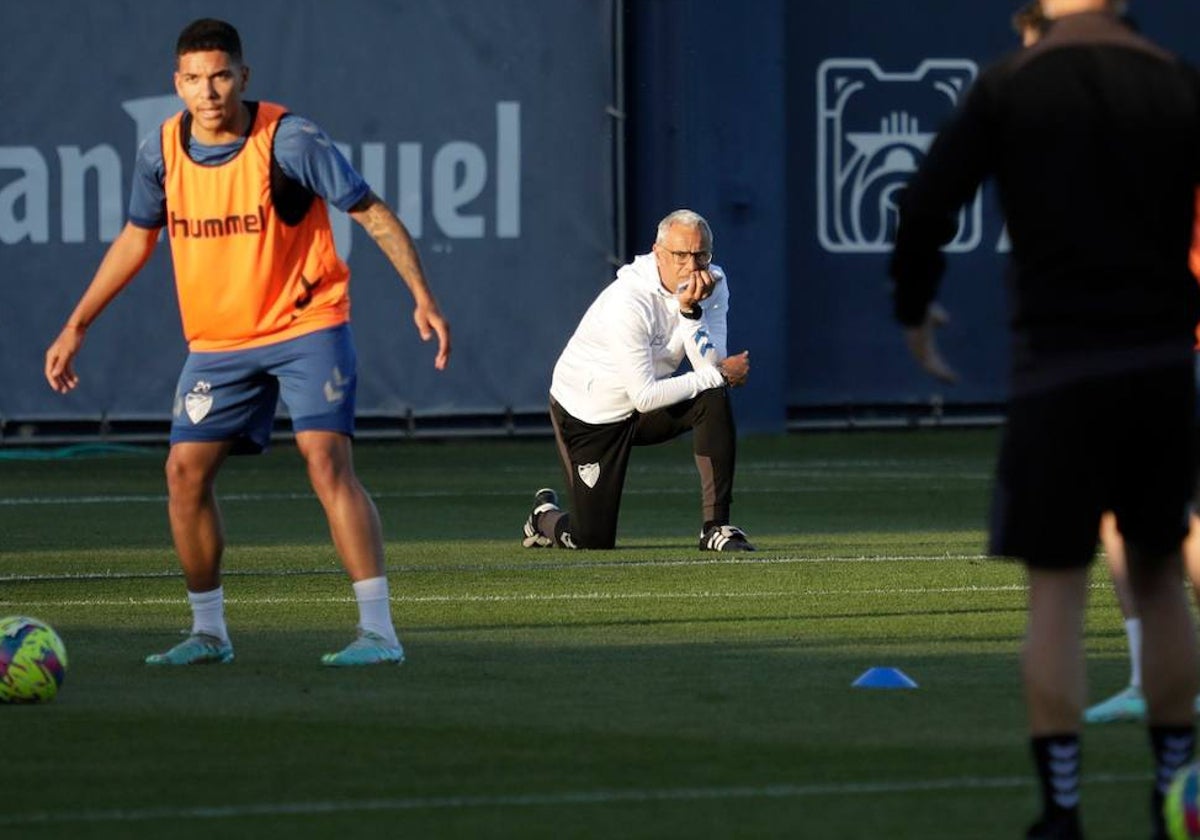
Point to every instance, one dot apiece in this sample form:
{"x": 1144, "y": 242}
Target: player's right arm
{"x": 961, "y": 157}
{"x": 123, "y": 260}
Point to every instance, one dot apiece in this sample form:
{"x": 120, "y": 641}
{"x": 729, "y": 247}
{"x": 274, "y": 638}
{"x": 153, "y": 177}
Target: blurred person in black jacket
{"x": 1093, "y": 138}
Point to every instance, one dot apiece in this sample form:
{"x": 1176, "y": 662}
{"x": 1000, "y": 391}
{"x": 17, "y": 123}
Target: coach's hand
{"x": 922, "y": 343}
{"x": 698, "y": 287}
{"x": 735, "y": 369}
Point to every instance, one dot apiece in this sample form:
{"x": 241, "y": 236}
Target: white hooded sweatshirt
{"x": 624, "y": 355}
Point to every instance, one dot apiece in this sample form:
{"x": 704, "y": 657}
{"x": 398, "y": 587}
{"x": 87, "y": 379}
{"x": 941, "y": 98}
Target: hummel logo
{"x": 1063, "y": 751}
{"x": 334, "y": 387}
{"x": 305, "y": 297}
{"x": 1064, "y": 801}
{"x": 1178, "y": 744}
{"x": 1064, "y": 769}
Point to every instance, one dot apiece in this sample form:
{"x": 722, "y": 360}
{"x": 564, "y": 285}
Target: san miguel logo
{"x": 873, "y": 131}
{"x": 439, "y": 189}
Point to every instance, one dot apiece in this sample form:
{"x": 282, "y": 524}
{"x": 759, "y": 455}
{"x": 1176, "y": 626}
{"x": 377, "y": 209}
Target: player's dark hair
{"x": 1030, "y": 16}
{"x": 209, "y": 34}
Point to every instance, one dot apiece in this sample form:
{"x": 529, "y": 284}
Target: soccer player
{"x": 1030, "y": 24}
{"x": 616, "y": 386}
{"x": 241, "y": 187}
{"x": 1093, "y": 137}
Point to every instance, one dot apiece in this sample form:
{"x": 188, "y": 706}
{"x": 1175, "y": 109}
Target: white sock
{"x": 1133, "y": 632}
{"x": 374, "y": 609}
{"x": 208, "y": 613}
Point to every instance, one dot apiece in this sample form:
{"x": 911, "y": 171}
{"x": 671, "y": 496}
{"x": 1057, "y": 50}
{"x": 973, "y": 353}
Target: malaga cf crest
{"x": 589, "y": 474}
{"x": 873, "y": 130}
{"x": 198, "y": 402}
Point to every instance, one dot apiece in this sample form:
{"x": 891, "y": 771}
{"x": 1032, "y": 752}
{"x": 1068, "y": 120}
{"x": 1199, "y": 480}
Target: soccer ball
{"x": 1181, "y": 808}
{"x": 33, "y": 660}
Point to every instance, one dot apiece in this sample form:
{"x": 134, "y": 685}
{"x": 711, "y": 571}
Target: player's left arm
{"x": 389, "y": 233}
{"x": 307, "y": 155}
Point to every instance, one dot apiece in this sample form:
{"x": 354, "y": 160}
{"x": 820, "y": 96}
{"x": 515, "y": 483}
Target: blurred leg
{"x": 1053, "y": 674}
{"x": 1052, "y": 662}
{"x": 1126, "y": 704}
{"x": 1169, "y": 660}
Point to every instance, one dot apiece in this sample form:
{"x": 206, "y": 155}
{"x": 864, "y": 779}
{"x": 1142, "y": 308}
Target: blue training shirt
{"x": 303, "y": 150}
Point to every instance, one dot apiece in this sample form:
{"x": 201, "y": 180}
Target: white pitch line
{"x": 586, "y": 797}
{"x": 470, "y": 598}
{"x": 152, "y": 498}
{"x": 160, "y": 498}
{"x": 511, "y": 567}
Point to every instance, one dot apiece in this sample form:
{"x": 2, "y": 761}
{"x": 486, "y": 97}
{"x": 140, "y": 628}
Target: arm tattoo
{"x": 382, "y": 225}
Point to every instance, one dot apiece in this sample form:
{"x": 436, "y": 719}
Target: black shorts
{"x": 1124, "y": 443}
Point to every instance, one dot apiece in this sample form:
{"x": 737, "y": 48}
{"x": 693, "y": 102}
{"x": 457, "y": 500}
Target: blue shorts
{"x": 232, "y": 395}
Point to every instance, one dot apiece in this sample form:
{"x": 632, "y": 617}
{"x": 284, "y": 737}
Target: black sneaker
{"x": 725, "y": 538}
{"x": 543, "y": 500}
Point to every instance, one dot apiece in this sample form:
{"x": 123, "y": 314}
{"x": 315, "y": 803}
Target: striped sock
{"x": 1059, "y": 761}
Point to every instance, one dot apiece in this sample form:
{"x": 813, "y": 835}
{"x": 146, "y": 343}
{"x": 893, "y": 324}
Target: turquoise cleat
{"x": 1124, "y": 705}
{"x": 367, "y": 649}
{"x": 197, "y": 649}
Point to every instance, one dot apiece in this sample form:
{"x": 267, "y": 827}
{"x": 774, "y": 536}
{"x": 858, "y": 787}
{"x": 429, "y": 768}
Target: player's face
{"x": 683, "y": 251}
{"x": 211, "y": 84}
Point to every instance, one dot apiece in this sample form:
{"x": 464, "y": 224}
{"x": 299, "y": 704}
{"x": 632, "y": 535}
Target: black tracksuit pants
{"x": 595, "y": 458}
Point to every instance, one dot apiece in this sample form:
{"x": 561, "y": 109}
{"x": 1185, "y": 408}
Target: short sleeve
{"x": 307, "y": 155}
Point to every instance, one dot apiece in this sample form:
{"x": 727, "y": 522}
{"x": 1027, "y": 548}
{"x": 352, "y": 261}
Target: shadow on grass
{"x": 533, "y": 732}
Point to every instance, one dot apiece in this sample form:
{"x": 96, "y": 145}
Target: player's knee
{"x": 185, "y": 477}
{"x": 715, "y": 398}
{"x": 588, "y": 539}
{"x": 328, "y": 469}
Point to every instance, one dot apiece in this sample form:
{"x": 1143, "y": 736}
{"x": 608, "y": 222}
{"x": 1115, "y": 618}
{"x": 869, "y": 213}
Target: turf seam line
{"x": 594, "y": 797}
{"x": 504, "y": 567}
{"x": 529, "y": 597}
{"x": 161, "y": 498}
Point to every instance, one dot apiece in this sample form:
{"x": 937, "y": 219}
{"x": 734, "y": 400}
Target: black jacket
{"x": 1093, "y": 137}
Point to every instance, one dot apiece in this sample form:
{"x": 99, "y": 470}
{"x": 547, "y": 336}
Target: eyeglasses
{"x": 702, "y": 258}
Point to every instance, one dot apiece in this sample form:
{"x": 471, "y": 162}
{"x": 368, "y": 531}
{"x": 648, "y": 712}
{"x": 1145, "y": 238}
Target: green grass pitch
{"x": 649, "y": 692}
